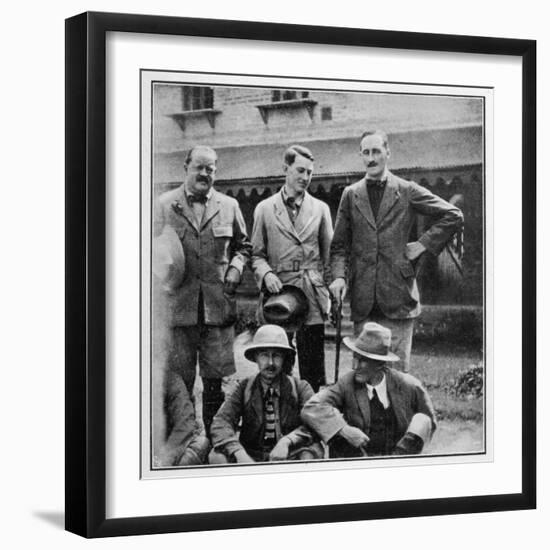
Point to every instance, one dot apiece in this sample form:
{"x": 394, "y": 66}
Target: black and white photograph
{"x": 304, "y": 291}
{"x": 313, "y": 260}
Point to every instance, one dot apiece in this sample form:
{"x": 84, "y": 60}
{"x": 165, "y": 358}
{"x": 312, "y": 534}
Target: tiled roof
{"x": 439, "y": 148}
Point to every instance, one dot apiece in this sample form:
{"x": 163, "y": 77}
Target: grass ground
{"x": 460, "y": 418}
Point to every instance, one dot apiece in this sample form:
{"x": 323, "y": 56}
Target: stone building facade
{"x": 437, "y": 141}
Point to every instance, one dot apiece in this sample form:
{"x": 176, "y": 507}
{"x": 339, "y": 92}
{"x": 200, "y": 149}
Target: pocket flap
{"x": 222, "y": 231}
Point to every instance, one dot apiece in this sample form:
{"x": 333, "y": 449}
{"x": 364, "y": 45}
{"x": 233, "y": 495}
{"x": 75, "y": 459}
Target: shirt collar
{"x": 381, "y": 390}
{"x": 276, "y": 385}
{"x": 383, "y": 177}
{"x": 297, "y": 200}
{"x": 189, "y": 194}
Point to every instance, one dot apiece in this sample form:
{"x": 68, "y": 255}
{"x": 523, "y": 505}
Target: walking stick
{"x": 337, "y": 311}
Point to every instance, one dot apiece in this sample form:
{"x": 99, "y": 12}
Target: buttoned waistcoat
{"x": 297, "y": 253}
{"x": 220, "y": 240}
{"x": 371, "y": 251}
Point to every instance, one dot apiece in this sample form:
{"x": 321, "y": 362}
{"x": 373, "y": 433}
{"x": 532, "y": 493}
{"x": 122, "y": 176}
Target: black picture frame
{"x": 86, "y": 273}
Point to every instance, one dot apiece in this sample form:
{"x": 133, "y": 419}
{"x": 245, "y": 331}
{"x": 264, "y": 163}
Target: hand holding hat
{"x": 272, "y": 283}
{"x": 168, "y": 259}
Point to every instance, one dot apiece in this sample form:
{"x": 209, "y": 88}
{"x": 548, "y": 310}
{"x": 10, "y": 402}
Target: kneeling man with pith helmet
{"x": 267, "y": 405}
{"x": 374, "y": 410}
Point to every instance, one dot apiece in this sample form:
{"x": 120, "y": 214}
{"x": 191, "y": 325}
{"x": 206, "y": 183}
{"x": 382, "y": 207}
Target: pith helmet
{"x": 268, "y": 336}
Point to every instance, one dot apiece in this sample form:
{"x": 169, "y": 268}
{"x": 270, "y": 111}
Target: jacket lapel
{"x": 305, "y": 215}
{"x": 257, "y": 399}
{"x": 281, "y": 214}
{"x": 185, "y": 210}
{"x": 362, "y": 202}
{"x": 396, "y": 397}
{"x": 391, "y": 194}
{"x": 285, "y": 400}
{"x": 212, "y": 208}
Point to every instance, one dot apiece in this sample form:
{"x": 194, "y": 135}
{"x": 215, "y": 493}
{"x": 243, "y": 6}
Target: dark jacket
{"x": 347, "y": 402}
{"x": 245, "y": 403}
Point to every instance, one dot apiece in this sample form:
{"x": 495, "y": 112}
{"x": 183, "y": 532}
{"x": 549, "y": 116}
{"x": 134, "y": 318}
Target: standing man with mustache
{"x": 290, "y": 245}
{"x": 371, "y": 252}
{"x": 201, "y": 311}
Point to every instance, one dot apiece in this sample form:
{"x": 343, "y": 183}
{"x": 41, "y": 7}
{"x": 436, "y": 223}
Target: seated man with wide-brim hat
{"x": 374, "y": 410}
{"x": 267, "y": 407}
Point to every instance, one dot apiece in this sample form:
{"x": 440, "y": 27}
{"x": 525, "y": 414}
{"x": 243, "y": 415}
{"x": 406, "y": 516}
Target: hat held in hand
{"x": 168, "y": 259}
{"x": 288, "y": 309}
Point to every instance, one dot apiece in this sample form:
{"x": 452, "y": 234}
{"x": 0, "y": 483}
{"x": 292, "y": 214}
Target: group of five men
{"x": 274, "y": 416}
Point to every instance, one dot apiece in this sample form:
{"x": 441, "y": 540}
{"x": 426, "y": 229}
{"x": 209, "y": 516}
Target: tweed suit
{"x": 370, "y": 252}
{"x": 347, "y": 403}
{"x": 226, "y": 436}
{"x": 200, "y": 313}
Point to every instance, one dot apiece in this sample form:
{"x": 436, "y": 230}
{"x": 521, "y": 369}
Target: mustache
{"x": 204, "y": 179}
{"x": 371, "y": 164}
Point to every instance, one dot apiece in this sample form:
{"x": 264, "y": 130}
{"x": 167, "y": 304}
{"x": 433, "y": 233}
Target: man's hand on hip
{"x": 415, "y": 250}
{"x": 338, "y": 289}
{"x": 272, "y": 283}
{"x": 354, "y": 436}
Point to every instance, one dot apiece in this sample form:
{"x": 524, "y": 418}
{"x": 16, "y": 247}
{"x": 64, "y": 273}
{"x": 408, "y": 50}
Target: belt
{"x": 298, "y": 265}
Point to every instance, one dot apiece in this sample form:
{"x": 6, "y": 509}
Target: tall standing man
{"x": 201, "y": 311}
{"x": 371, "y": 251}
{"x": 290, "y": 245}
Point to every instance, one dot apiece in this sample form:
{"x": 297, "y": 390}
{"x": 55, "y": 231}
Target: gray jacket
{"x": 371, "y": 252}
{"x": 220, "y": 241}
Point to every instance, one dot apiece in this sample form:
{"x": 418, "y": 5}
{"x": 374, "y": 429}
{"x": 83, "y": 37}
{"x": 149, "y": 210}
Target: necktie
{"x": 269, "y": 432}
{"x": 375, "y": 183}
{"x": 375, "y": 190}
{"x": 291, "y": 203}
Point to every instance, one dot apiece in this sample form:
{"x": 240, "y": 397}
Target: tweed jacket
{"x": 210, "y": 248}
{"x": 371, "y": 252}
{"x": 236, "y": 408}
{"x": 297, "y": 253}
{"x": 347, "y": 402}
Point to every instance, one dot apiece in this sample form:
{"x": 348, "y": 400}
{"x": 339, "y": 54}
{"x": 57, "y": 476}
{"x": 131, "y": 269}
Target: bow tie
{"x": 197, "y": 198}
{"x": 375, "y": 183}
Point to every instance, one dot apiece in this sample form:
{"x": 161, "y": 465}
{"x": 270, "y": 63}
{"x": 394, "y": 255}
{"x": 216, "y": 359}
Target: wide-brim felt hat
{"x": 374, "y": 342}
{"x": 269, "y": 337}
{"x": 168, "y": 258}
{"x": 288, "y": 309}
